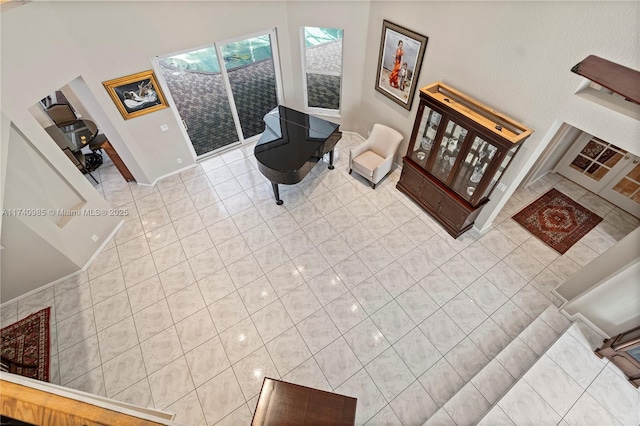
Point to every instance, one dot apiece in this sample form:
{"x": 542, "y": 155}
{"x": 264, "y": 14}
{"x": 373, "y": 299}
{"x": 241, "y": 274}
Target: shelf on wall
{"x": 617, "y": 78}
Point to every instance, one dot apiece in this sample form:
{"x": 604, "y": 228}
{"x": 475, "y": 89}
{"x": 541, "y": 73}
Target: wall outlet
{"x": 164, "y": 128}
{"x": 502, "y": 187}
{"x": 94, "y": 237}
{"x": 179, "y": 160}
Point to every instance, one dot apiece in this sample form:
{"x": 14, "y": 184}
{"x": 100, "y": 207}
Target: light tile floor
{"x": 210, "y": 286}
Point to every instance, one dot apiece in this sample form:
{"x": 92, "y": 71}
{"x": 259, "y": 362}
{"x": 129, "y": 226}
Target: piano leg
{"x": 331, "y": 167}
{"x": 276, "y": 192}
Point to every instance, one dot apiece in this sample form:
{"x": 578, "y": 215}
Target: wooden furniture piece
{"x": 74, "y": 136}
{"x": 458, "y": 151}
{"x": 624, "y": 351}
{"x": 61, "y": 114}
{"x": 617, "y": 78}
{"x": 37, "y": 407}
{"x": 281, "y": 403}
{"x": 117, "y": 161}
{"x": 80, "y": 161}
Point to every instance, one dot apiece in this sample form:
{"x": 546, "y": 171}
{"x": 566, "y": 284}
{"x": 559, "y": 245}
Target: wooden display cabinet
{"x": 459, "y": 150}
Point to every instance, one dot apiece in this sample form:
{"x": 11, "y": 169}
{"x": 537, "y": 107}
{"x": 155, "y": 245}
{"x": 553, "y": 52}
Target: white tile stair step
{"x": 569, "y": 385}
{"x": 485, "y": 388}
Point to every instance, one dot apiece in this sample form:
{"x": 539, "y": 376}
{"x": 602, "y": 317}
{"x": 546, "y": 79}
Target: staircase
{"x": 547, "y": 375}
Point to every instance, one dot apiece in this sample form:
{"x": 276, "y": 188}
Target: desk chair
{"x": 95, "y": 145}
{"x": 61, "y": 114}
{"x": 80, "y": 161}
{"x": 373, "y": 158}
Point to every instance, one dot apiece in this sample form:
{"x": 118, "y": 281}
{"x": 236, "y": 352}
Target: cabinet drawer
{"x": 451, "y": 212}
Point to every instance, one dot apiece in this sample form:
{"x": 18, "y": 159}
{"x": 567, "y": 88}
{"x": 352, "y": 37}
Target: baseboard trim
{"x": 71, "y": 275}
{"x": 349, "y": 132}
{"x": 167, "y": 175}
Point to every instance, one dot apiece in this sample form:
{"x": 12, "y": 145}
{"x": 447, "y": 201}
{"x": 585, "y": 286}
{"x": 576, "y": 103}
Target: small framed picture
{"x": 399, "y": 63}
{"x": 136, "y": 94}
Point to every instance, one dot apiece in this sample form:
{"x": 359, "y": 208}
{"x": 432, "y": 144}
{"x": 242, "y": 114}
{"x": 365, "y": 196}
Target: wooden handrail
{"x": 43, "y": 408}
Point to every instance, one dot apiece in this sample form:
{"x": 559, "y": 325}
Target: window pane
{"x": 246, "y": 52}
{"x": 323, "y": 49}
{"x": 323, "y": 91}
{"x": 252, "y": 76}
{"x": 197, "y": 87}
{"x": 323, "y": 66}
{"x": 314, "y": 36}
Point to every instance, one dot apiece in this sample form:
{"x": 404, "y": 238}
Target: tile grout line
{"x": 306, "y": 282}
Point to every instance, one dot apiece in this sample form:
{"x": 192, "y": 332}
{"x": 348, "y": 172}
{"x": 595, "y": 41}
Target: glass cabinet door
{"x": 426, "y": 136}
{"x": 448, "y": 150}
{"x": 498, "y": 174}
{"x": 473, "y": 168}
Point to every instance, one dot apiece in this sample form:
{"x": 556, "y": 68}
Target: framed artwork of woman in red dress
{"x": 399, "y": 63}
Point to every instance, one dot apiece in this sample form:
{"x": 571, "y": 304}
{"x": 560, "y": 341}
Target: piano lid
{"x": 291, "y": 138}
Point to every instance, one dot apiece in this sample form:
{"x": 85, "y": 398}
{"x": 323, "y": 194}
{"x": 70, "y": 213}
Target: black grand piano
{"x": 291, "y": 144}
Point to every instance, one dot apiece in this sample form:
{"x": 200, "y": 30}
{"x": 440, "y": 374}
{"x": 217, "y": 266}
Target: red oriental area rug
{"x": 557, "y": 220}
{"x": 27, "y": 342}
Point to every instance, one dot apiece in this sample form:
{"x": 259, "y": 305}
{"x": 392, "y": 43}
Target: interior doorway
{"x": 222, "y": 91}
{"x": 604, "y": 169}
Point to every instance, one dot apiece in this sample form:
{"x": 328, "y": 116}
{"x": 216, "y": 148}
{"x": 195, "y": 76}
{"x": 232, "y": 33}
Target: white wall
{"x": 28, "y": 260}
{"x": 351, "y": 16}
{"x": 39, "y": 57}
{"x": 42, "y": 247}
{"x": 555, "y": 150}
{"x": 515, "y": 57}
{"x": 614, "y": 306}
{"x": 607, "y": 290}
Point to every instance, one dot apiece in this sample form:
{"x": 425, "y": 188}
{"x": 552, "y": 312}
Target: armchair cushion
{"x": 366, "y": 163}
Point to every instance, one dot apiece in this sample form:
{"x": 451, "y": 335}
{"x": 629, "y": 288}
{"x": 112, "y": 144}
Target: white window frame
{"x": 273, "y": 38}
{"x": 306, "y": 70}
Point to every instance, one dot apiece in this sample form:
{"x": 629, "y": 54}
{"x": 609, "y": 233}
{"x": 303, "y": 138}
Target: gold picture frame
{"x": 136, "y": 94}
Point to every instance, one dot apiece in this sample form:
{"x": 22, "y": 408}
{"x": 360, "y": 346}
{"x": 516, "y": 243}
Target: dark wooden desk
{"x": 285, "y": 404}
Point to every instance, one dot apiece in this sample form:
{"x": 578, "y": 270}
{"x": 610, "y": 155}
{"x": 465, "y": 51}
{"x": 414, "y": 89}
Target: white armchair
{"x": 373, "y": 158}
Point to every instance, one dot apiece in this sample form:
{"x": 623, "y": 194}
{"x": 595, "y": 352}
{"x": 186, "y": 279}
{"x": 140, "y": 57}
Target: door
{"x": 194, "y": 82}
{"x": 222, "y": 91}
{"x": 604, "y": 169}
{"x": 252, "y": 76}
{"x": 624, "y": 190}
{"x": 592, "y": 163}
